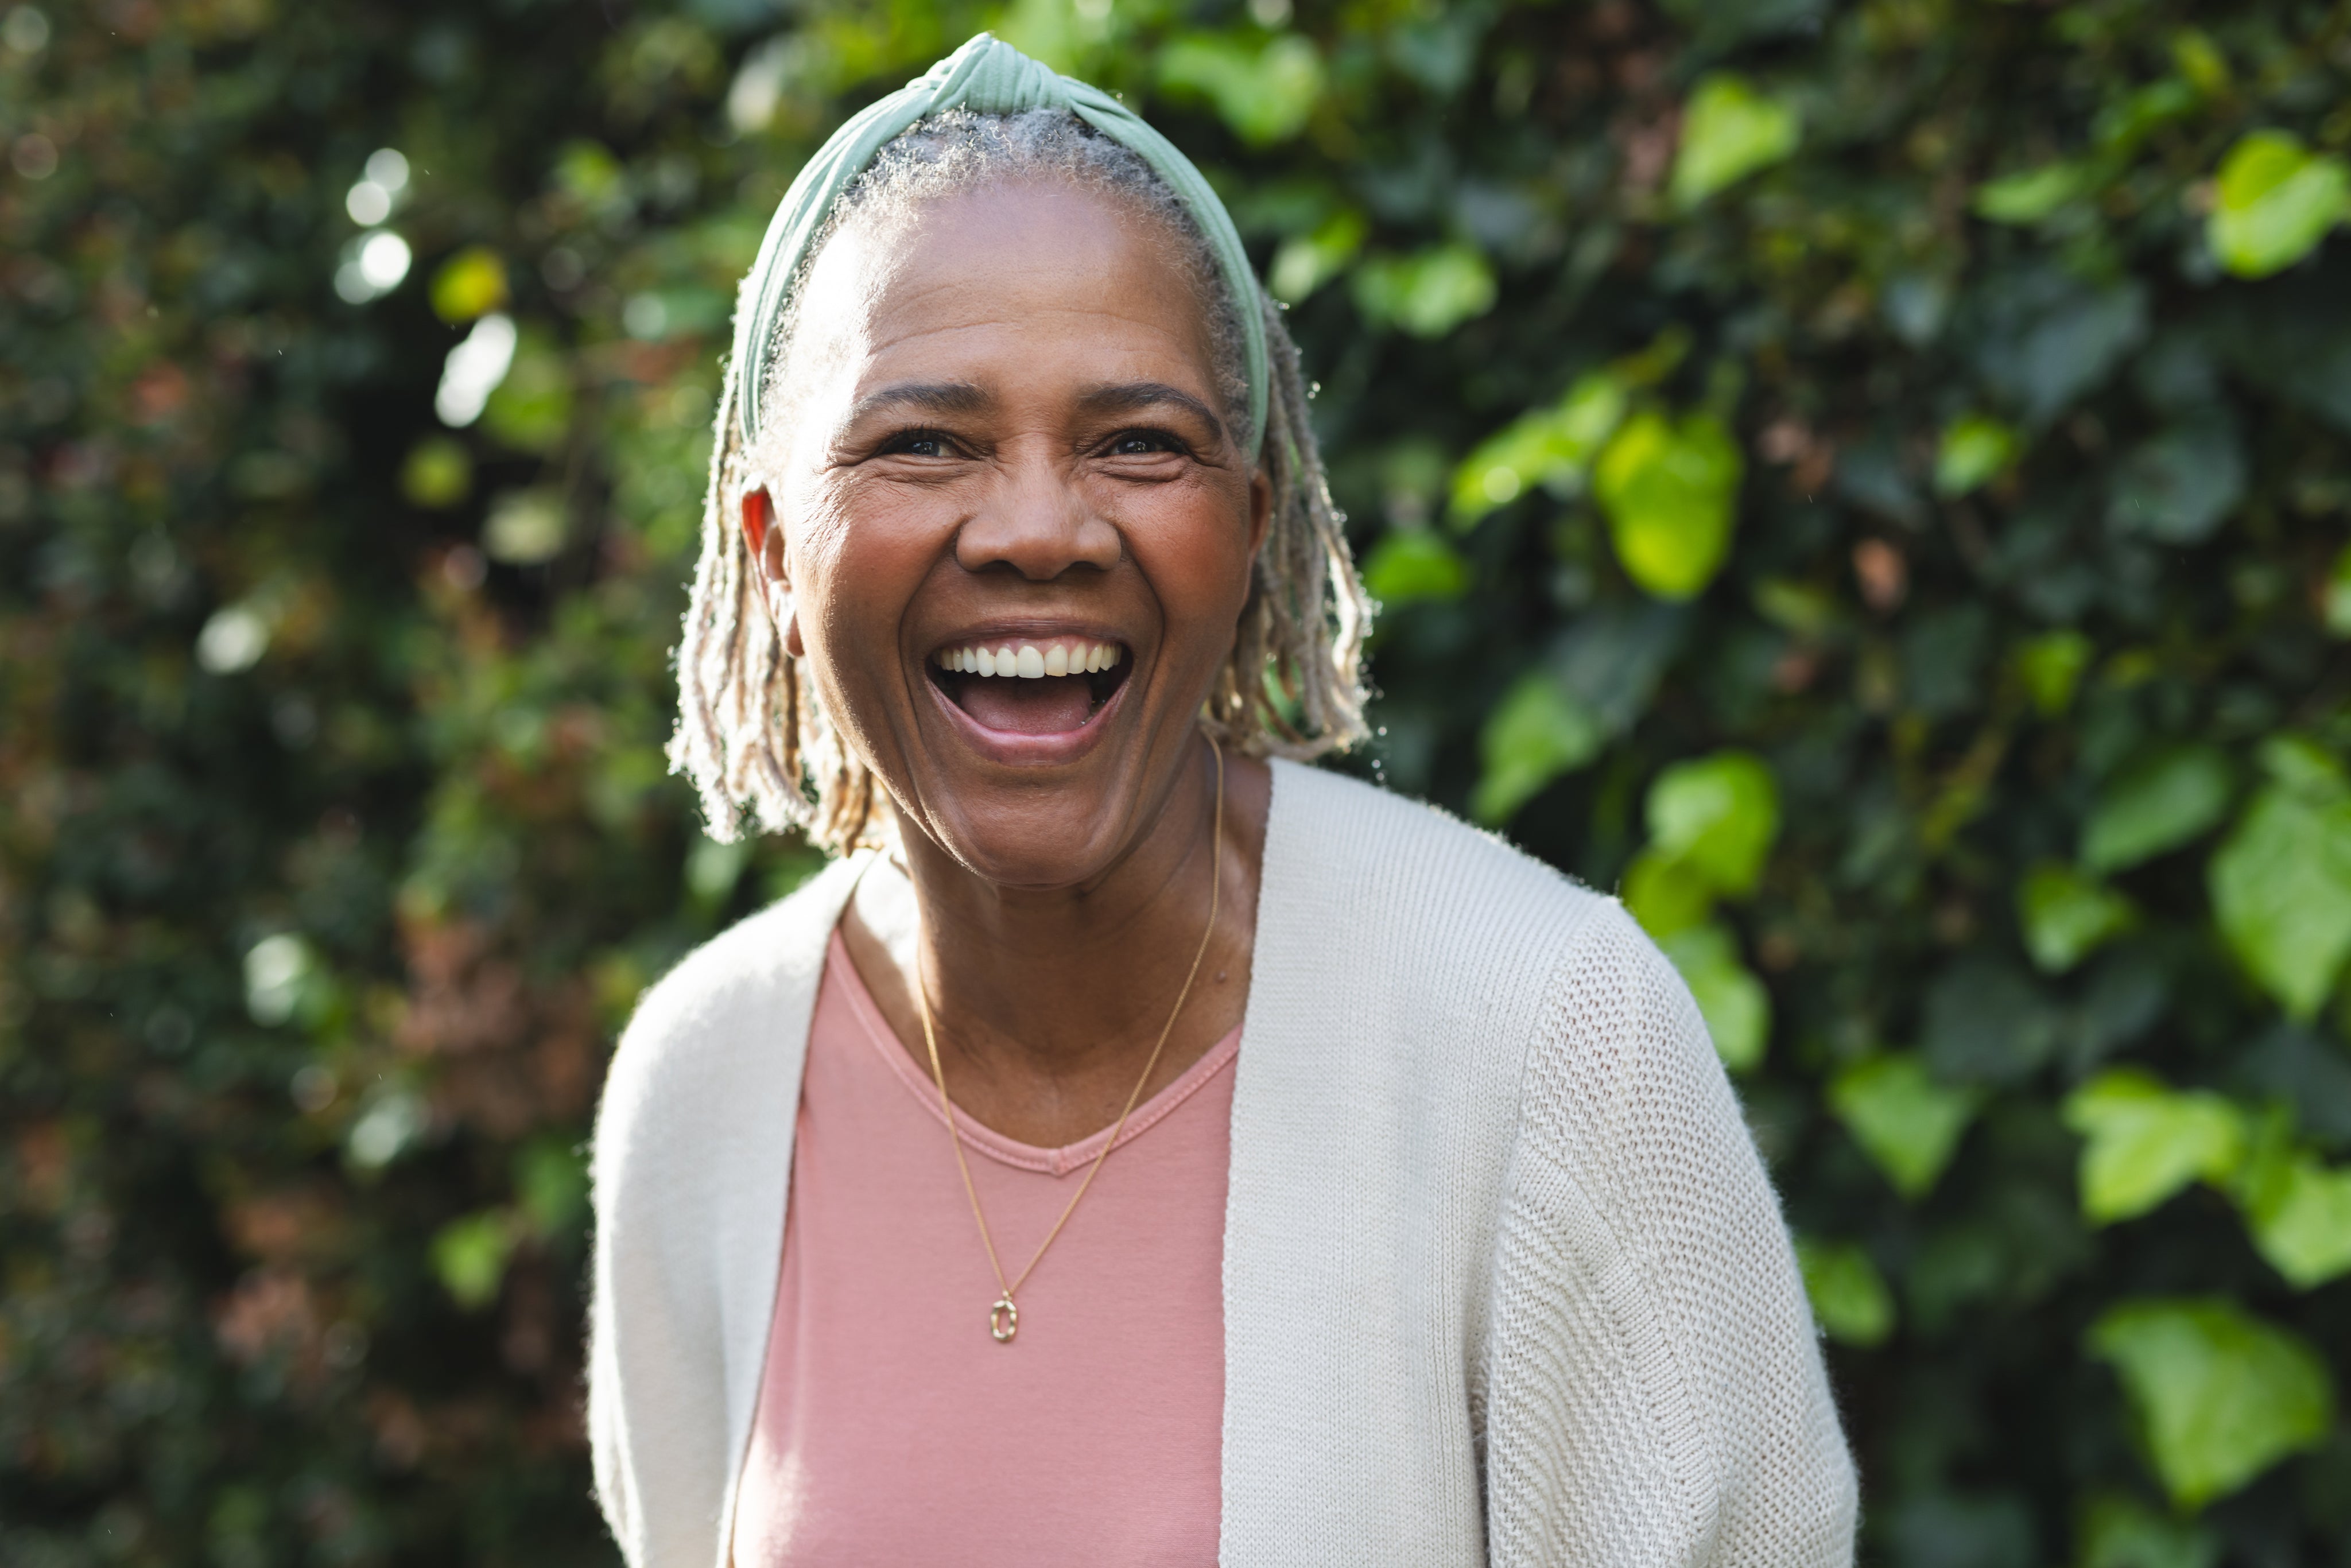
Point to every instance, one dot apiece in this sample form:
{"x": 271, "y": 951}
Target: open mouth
{"x": 1024, "y": 685}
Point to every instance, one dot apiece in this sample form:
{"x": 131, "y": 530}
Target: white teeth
{"x": 1031, "y": 661}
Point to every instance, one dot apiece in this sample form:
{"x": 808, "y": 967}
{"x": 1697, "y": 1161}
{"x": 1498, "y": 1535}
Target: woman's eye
{"x": 1137, "y": 444}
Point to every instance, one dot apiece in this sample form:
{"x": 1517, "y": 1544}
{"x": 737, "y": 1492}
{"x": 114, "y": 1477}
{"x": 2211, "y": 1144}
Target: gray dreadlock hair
{"x": 753, "y": 734}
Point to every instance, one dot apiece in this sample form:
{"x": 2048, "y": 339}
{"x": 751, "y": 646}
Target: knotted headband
{"x": 986, "y": 76}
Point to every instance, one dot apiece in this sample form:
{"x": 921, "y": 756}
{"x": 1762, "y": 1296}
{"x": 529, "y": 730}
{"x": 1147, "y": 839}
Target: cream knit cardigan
{"x": 1504, "y": 1280}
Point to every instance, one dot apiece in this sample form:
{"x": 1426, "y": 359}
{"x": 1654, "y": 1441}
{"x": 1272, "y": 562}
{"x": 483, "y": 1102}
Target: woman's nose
{"x": 1038, "y": 522}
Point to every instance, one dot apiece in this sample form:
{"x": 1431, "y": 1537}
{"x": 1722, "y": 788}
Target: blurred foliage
{"x": 1865, "y": 477}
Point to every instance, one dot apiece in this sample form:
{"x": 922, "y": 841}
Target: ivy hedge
{"x": 1865, "y": 479}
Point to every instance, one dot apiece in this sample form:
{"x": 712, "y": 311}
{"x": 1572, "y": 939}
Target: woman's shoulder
{"x": 1375, "y": 856}
{"x": 733, "y": 995}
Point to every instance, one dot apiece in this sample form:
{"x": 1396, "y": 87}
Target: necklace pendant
{"x": 1004, "y": 1320}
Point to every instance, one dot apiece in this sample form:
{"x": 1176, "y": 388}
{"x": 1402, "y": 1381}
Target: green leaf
{"x": 2280, "y": 886}
{"x": 1671, "y": 493}
{"x": 1551, "y": 446}
{"x": 2050, "y": 667}
{"x": 1412, "y": 565}
{"x": 1907, "y": 1122}
{"x": 1427, "y": 293}
{"x": 2029, "y": 195}
{"x": 1306, "y": 262}
{"x": 2067, "y": 915}
{"x": 2123, "y": 1532}
{"x": 438, "y": 473}
{"x": 530, "y": 410}
{"x": 2220, "y": 1395}
{"x": 470, "y": 283}
{"x": 2154, "y": 807}
{"x": 1665, "y": 894}
{"x": 1974, "y": 450}
{"x": 1717, "y": 815}
{"x": 1849, "y": 1296}
{"x": 1729, "y": 131}
{"x": 470, "y": 1257}
{"x": 2298, "y": 1210}
{"x": 1537, "y": 732}
{"x": 2143, "y": 1141}
{"x": 1738, "y": 1008}
{"x": 1265, "y": 91}
{"x": 551, "y": 1186}
{"x": 2337, "y": 608}
{"x": 2273, "y": 202}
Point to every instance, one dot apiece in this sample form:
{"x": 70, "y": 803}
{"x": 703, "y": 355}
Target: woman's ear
{"x": 766, "y": 543}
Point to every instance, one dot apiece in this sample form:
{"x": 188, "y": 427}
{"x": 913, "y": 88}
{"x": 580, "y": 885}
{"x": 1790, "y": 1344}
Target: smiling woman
{"x": 1138, "y": 1146}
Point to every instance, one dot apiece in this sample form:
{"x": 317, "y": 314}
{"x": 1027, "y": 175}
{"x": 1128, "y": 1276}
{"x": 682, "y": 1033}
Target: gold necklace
{"x": 1004, "y": 1317}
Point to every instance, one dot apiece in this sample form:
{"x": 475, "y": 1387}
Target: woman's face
{"x": 1007, "y": 450}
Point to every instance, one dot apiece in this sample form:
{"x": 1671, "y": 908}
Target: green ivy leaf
{"x": 2220, "y": 1395}
{"x": 2143, "y": 1141}
{"x": 2280, "y": 882}
{"x": 2123, "y": 1532}
{"x": 470, "y": 1257}
{"x": 1974, "y": 450}
{"x": 1729, "y": 131}
{"x": 1427, "y": 293}
{"x": 2051, "y": 666}
{"x": 1551, "y": 446}
{"x": 2156, "y": 806}
{"x": 1307, "y": 261}
{"x": 470, "y": 283}
{"x": 2067, "y": 915}
{"x": 1537, "y": 732}
{"x": 1414, "y": 565}
{"x": 1907, "y": 1122}
{"x": 2273, "y": 202}
{"x": 2029, "y": 195}
{"x": 1849, "y": 1296}
{"x": 1738, "y": 1008}
{"x": 2298, "y": 1210}
{"x": 1665, "y": 894}
{"x": 438, "y": 473}
{"x": 1265, "y": 91}
{"x": 530, "y": 408}
{"x": 1671, "y": 493}
{"x": 1717, "y": 815}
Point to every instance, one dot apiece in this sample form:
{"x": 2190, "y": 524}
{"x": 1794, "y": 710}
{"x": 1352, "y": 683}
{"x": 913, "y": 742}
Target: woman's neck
{"x": 1048, "y": 1002}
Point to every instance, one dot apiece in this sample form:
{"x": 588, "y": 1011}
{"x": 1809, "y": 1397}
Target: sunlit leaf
{"x": 2123, "y": 1532}
{"x": 2280, "y": 885}
{"x": 1717, "y": 815}
{"x": 1736, "y": 1007}
{"x": 1729, "y": 131}
{"x": 1427, "y": 293}
{"x": 2297, "y": 1208}
{"x": 531, "y": 409}
{"x": 1551, "y": 446}
{"x": 470, "y": 1257}
{"x": 469, "y": 284}
{"x": 1412, "y": 565}
{"x": 1665, "y": 894}
{"x": 2220, "y": 1395}
{"x": 1265, "y": 90}
{"x": 1537, "y": 732}
{"x": 2273, "y": 202}
{"x": 2171, "y": 798}
{"x": 1907, "y": 1121}
{"x": 2143, "y": 1142}
{"x": 2065, "y": 915}
{"x": 2051, "y": 666}
{"x": 1849, "y": 1296}
{"x": 2029, "y": 195}
{"x": 1306, "y": 262}
{"x": 438, "y": 473}
{"x": 1974, "y": 450}
{"x": 1671, "y": 494}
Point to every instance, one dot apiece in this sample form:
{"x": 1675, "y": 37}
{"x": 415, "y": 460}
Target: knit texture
{"x": 1504, "y": 1279}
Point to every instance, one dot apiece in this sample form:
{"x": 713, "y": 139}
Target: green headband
{"x": 986, "y": 76}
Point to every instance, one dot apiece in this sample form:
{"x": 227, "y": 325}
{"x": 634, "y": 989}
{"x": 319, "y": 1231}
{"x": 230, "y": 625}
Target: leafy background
{"x": 1867, "y": 478}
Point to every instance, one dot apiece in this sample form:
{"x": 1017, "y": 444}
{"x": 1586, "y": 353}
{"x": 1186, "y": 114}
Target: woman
{"x": 1134, "y": 1149}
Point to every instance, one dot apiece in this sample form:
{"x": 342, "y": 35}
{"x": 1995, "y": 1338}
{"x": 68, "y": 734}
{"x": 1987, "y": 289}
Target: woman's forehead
{"x": 1036, "y": 276}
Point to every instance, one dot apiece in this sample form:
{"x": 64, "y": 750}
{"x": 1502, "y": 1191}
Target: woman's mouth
{"x": 1026, "y": 686}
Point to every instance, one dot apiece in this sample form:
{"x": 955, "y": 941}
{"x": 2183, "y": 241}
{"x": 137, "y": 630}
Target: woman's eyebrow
{"x": 930, "y": 397}
{"x": 1128, "y": 397}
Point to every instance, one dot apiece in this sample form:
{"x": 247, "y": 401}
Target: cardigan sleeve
{"x": 1653, "y": 1386}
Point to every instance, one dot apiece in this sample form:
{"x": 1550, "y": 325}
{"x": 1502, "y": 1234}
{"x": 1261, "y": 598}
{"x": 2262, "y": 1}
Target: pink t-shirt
{"x": 890, "y": 1427}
